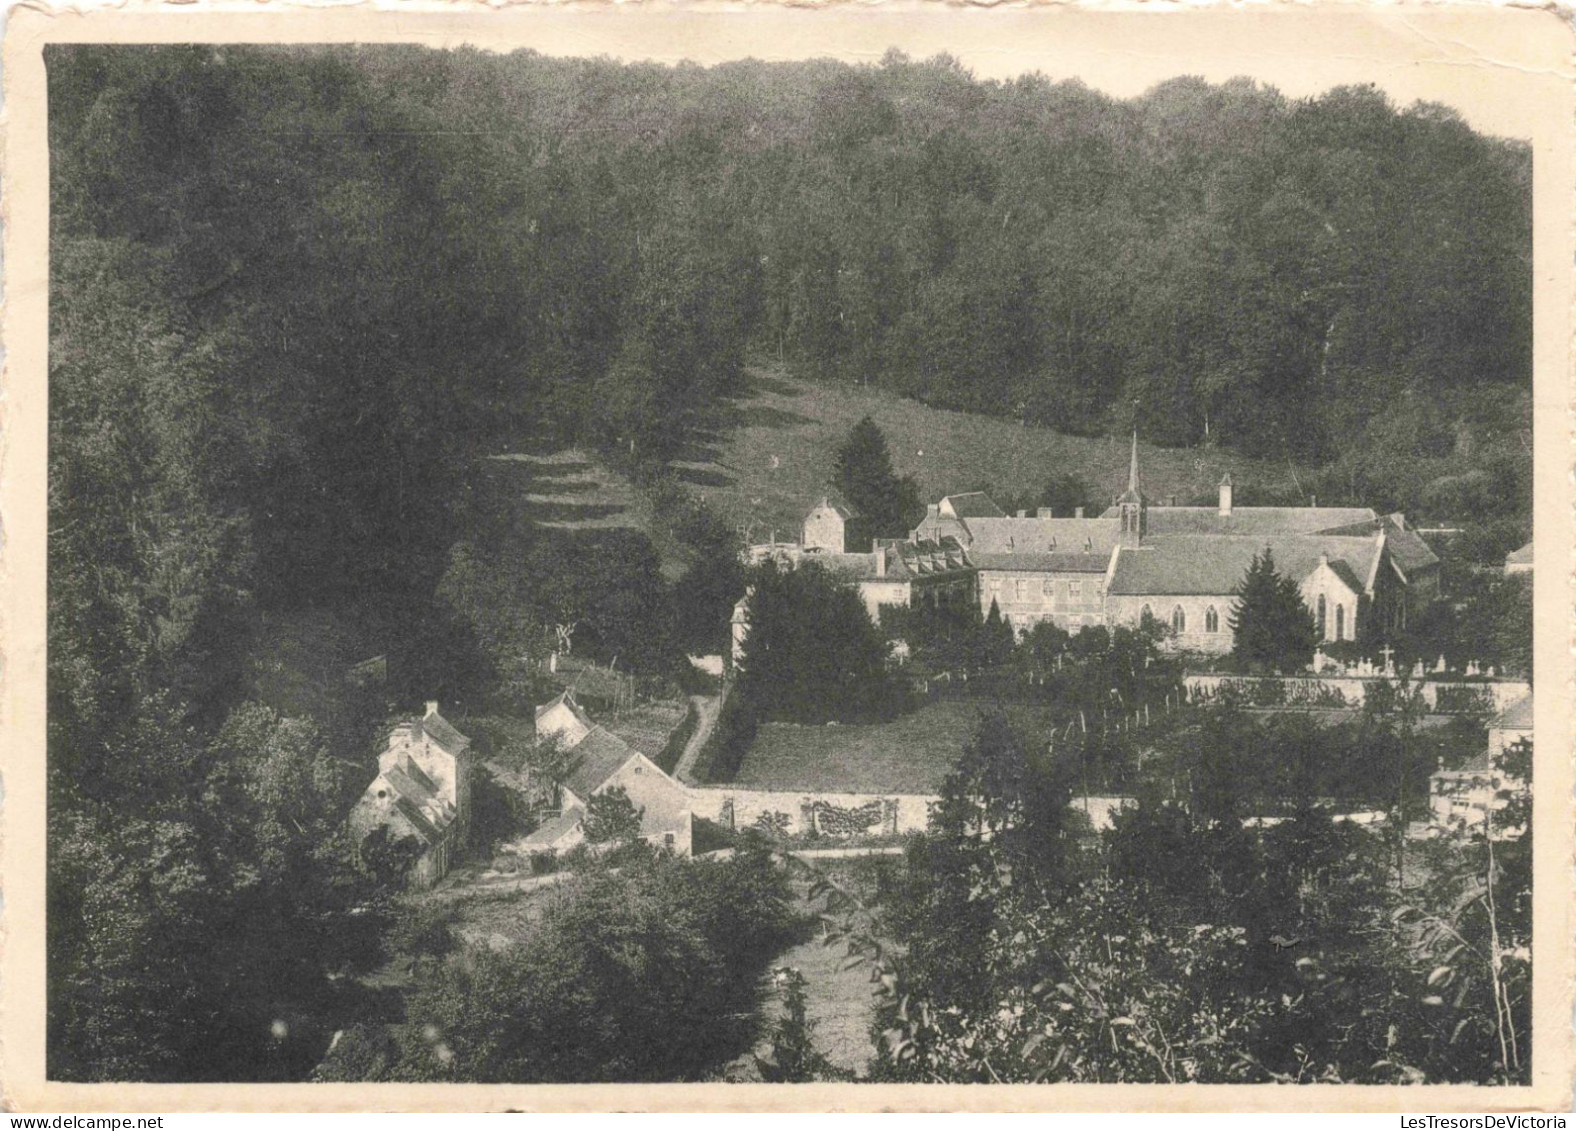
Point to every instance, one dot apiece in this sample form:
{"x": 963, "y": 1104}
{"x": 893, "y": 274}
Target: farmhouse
{"x": 600, "y": 761}
{"x": 423, "y": 790}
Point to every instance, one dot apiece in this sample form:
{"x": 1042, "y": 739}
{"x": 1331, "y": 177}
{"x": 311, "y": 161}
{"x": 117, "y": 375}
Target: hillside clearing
{"x": 774, "y": 454}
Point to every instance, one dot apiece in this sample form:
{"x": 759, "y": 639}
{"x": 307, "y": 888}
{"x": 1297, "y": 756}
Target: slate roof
{"x": 416, "y": 798}
{"x": 939, "y": 528}
{"x": 905, "y": 561}
{"x": 973, "y": 504}
{"x": 1517, "y": 716}
{"x": 1523, "y": 556}
{"x": 1407, "y": 546}
{"x": 1181, "y": 564}
{"x": 852, "y": 567}
{"x": 443, "y": 733}
{"x": 597, "y": 757}
{"x": 833, "y": 503}
{"x": 1256, "y": 520}
{"x": 1043, "y": 535}
{"x": 927, "y": 556}
{"x": 549, "y": 832}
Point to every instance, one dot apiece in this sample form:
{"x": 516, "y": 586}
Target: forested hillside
{"x": 296, "y": 293}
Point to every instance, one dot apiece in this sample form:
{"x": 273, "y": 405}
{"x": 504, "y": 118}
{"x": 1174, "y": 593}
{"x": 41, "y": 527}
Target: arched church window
{"x": 1146, "y": 614}
{"x": 1178, "y": 620}
{"x": 1340, "y": 622}
{"x": 1320, "y": 616}
{"x": 1211, "y": 620}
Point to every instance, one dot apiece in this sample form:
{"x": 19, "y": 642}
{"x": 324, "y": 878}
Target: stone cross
{"x": 1389, "y": 659}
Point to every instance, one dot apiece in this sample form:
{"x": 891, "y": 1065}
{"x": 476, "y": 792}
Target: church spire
{"x": 1131, "y": 504}
{"x": 1133, "y": 494}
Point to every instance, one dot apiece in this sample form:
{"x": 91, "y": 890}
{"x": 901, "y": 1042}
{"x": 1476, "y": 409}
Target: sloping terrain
{"x": 571, "y": 492}
{"x": 774, "y": 452}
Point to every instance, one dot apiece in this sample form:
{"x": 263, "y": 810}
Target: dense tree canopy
{"x": 297, "y": 292}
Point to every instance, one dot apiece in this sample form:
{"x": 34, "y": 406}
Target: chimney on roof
{"x": 432, "y": 708}
{"x": 1077, "y": 512}
{"x": 1045, "y": 512}
{"x": 1225, "y": 496}
{"x": 881, "y": 553}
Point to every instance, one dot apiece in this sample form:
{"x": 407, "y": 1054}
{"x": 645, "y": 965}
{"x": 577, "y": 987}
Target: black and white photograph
{"x": 835, "y": 567}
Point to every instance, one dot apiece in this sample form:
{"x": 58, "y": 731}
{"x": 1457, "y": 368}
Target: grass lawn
{"x": 909, "y": 755}
{"x": 774, "y": 455}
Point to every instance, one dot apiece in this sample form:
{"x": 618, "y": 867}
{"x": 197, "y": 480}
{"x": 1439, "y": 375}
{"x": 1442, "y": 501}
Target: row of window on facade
{"x": 1212, "y": 619}
{"x": 1022, "y": 589}
{"x": 1322, "y": 617}
{"x": 1179, "y": 618}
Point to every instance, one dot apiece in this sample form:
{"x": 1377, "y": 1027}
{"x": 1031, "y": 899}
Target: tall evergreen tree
{"x": 1272, "y": 627}
{"x": 811, "y": 654}
{"x": 865, "y": 476}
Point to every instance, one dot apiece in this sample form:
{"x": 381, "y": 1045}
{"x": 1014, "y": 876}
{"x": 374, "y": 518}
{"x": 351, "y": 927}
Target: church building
{"x": 1361, "y": 574}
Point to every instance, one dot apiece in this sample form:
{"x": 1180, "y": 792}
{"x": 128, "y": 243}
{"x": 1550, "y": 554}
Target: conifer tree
{"x": 811, "y": 654}
{"x": 997, "y": 639}
{"x": 865, "y": 477}
{"x": 1272, "y": 628}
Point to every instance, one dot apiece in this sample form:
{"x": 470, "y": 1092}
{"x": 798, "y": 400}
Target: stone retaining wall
{"x": 1443, "y": 696}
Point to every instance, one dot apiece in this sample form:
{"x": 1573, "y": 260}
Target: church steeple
{"x": 1131, "y": 503}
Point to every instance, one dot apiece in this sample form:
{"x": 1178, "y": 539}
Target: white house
{"x": 423, "y": 790}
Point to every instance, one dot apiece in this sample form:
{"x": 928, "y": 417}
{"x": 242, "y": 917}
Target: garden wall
{"x": 848, "y": 814}
{"x": 1441, "y": 696}
{"x": 831, "y": 814}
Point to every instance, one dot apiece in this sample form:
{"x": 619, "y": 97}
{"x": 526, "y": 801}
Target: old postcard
{"x": 579, "y": 558}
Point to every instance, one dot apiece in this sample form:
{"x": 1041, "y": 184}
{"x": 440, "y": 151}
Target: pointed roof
{"x": 970, "y": 504}
{"x": 1517, "y": 716}
{"x": 1133, "y": 494}
{"x": 556, "y": 828}
{"x": 441, "y": 731}
{"x": 598, "y": 756}
{"x": 568, "y": 700}
{"x": 836, "y": 504}
{"x": 417, "y": 799}
{"x": 1211, "y": 565}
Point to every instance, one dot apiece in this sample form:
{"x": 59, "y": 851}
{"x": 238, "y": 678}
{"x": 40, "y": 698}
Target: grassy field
{"x": 774, "y": 454}
{"x": 909, "y": 755}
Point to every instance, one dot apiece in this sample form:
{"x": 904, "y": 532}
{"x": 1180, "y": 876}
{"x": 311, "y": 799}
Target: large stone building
{"x": 1361, "y": 574}
{"x": 422, "y": 791}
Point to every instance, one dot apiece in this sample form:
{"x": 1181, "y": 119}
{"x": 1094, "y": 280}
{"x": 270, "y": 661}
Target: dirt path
{"x": 707, "y": 707}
